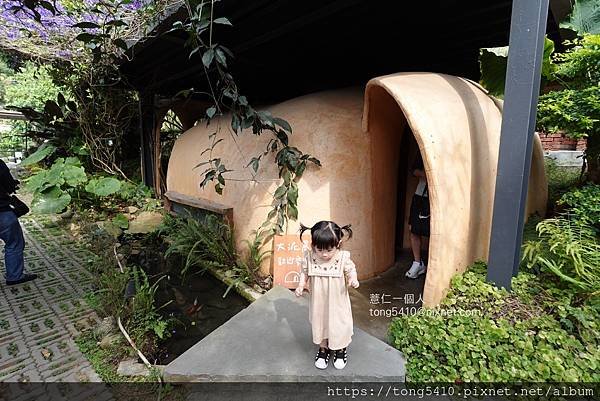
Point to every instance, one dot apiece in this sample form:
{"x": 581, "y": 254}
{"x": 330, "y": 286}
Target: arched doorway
{"x": 456, "y": 128}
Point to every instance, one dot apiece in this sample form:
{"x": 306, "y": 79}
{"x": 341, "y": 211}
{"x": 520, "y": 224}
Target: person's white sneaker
{"x": 340, "y": 358}
{"x": 416, "y": 269}
{"x": 322, "y": 358}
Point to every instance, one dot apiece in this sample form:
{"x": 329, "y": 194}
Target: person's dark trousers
{"x": 12, "y": 235}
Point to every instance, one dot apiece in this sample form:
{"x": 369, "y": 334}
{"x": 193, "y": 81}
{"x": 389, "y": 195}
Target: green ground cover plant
{"x": 542, "y": 331}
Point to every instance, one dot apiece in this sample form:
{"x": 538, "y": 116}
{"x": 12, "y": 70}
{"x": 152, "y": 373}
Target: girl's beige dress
{"x": 329, "y": 310}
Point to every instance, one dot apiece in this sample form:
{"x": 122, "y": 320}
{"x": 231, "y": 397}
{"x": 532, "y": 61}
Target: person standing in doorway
{"x": 10, "y": 231}
{"x": 419, "y": 220}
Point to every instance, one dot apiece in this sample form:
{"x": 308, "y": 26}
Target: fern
{"x": 568, "y": 249}
{"x": 210, "y": 244}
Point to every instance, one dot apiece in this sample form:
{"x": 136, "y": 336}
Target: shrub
{"x": 568, "y": 249}
{"x": 536, "y": 333}
{"x": 54, "y": 188}
{"x": 584, "y": 204}
{"x": 210, "y": 244}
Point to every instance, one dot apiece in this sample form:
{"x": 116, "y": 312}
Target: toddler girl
{"x": 327, "y": 268}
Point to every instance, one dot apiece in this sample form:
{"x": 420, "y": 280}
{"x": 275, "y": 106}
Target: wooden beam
{"x": 204, "y": 204}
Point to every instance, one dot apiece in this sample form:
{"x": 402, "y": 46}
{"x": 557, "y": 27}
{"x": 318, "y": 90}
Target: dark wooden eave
{"x": 286, "y": 48}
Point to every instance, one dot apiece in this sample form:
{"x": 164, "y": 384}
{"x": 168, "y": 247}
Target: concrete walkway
{"x": 271, "y": 341}
{"x": 378, "y": 300}
{"x": 40, "y": 319}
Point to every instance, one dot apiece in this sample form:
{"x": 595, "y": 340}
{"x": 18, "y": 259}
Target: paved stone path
{"x": 39, "y": 320}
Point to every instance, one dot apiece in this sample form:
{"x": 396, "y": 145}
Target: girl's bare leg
{"x": 324, "y": 343}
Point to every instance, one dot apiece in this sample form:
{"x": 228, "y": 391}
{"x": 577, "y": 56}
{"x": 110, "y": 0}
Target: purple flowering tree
{"x": 49, "y": 30}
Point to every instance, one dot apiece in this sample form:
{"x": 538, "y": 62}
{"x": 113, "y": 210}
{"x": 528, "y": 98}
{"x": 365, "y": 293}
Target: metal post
{"x": 526, "y": 46}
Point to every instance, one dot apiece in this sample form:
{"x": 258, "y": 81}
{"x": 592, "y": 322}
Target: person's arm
{"x": 419, "y": 173}
{"x": 303, "y": 282}
{"x": 418, "y": 169}
{"x": 350, "y": 272}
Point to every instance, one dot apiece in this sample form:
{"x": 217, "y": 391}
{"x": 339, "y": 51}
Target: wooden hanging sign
{"x": 287, "y": 259}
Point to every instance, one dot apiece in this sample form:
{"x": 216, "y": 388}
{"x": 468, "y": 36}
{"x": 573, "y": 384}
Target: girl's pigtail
{"x": 302, "y": 229}
{"x": 348, "y": 230}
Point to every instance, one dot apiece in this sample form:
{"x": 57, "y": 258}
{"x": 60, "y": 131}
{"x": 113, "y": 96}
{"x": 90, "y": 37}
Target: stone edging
{"x": 249, "y": 293}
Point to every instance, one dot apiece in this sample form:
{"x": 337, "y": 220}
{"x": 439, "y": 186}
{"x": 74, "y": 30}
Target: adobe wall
{"x": 455, "y": 125}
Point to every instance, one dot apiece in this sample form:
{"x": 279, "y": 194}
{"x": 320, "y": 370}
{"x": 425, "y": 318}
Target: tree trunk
{"x": 592, "y": 156}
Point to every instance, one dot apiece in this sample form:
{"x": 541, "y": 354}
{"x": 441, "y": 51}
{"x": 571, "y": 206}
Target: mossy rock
{"x": 146, "y": 222}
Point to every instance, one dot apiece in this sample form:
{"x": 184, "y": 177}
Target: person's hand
{"x": 299, "y": 290}
{"x": 354, "y": 283}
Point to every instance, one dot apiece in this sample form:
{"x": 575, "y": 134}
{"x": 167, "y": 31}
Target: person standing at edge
{"x": 419, "y": 220}
{"x": 329, "y": 272}
{"x": 10, "y": 231}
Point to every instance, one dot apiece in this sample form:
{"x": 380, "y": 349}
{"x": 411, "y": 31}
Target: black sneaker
{"x": 322, "y": 358}
{"x": 340, "y": 358}
{"x": 26, "y": 277}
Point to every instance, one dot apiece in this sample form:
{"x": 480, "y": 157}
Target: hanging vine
{"x": 226, "y": 98}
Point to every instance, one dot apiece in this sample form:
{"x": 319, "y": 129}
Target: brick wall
{"x": 560, "y": 141}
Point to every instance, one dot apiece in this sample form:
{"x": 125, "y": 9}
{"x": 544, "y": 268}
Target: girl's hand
{"x": 299, "y": 291}
{"x": 354, "y": 283}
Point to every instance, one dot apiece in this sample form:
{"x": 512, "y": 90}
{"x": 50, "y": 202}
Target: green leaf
{"x": 280, "y": 192}
{"x": 62, "y": 102}
{"x": 159, "y": 328}
{"x": 585, "y": 17}
{"x": 208, "y": 57}
{"x": 255, "y": 164}
{"x": 283, "y": 124}
{"x": 293, "y": 195}
{"x": 222, "y": 21}
{"x": 52, "y": 109}
{"x": 55, "y": 174}
{"x": 287, "y": 177}
{"x": 547, "y": 66}
{"x": 235, "y": 123}
{"x": 86, "y": 37}
{"x": 73, "y": 161}
{"x": 86, "y": 25}
{"x": 117, "y": 22}
{"x": 121, "y": 44}
{"x": 48, "y": 6}
{"x": 315, "y": 161}
{"x": 492, "y": 63}
{"x": 292, "y": 212}
{"x": 52, "y": 201}
{"x": 210, "y": 112}
{"x": 43, "y": 151}
{"x": 103, "y": 186}
{"x": 74, "y": 175}
{"x": 220, "y": 56}
{"x": 120, "y": 220}
{"x": 300, "y": 169}
{"x": 38, "y": 182}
